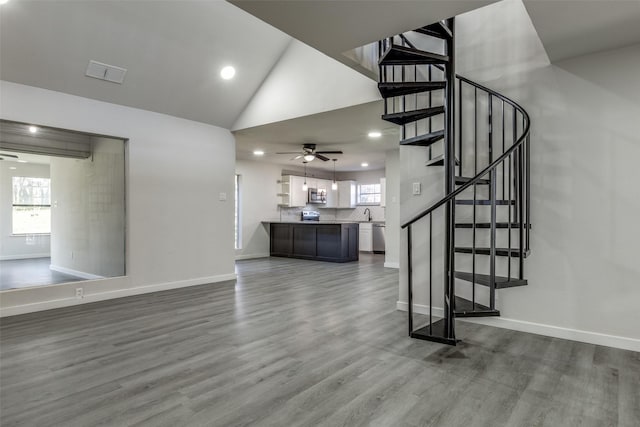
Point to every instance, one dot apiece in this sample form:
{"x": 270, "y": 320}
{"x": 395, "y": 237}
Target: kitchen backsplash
{"x": 356, "y": 214}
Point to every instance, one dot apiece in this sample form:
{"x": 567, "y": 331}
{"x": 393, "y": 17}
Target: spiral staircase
{"x": 477, "y": 234}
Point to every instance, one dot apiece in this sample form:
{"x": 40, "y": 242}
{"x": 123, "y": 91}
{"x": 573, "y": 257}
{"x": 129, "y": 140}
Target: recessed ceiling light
{"x": 375, "y": 134}
{"x": 227, "y": 72}
{"x": 4, "y": 1}
{"x": 22, "y": 161}
{"x": 364, "y": 164}
{"x": 13, "y": 168}
{"x": 258, "y": 153}
{"x": 33, "y": 129}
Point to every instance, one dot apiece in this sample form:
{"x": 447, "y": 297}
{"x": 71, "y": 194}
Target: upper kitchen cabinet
{"x": 383, "y": 192}
{"x": 342, "y": 198}
{"x": 292, "y": 195}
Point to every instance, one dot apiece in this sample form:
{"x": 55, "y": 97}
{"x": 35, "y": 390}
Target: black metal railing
{"x": 490, "y": 135}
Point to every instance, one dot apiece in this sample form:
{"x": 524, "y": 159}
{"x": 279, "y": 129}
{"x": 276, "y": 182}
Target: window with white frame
{"x": 31, "y": 205}
{"x": 368, "y": 194}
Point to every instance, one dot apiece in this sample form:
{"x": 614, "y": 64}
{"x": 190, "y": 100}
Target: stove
{"x": 310, "y": 216}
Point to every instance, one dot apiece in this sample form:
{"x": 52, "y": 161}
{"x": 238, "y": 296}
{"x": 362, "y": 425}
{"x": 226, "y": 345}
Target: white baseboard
{"x": 539, "y": 329}
{"x": 420, "y": 309}
{"x": 25, "y": 256}
{"x": 102, "y": 296}
{"x": 252, "y": 256}
{"x": 76, "y": 273}
{"x": 392, "y": 265}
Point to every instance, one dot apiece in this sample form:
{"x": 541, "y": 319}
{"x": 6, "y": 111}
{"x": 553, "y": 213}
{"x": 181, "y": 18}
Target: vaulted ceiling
{"x": 173, "y": 51}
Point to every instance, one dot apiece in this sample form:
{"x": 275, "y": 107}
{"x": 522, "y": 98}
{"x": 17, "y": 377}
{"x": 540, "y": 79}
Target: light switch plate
{"x": 416, "y": 189}
{"x": 223, "y": 197}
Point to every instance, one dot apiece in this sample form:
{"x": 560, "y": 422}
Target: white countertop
{"x": 277, "y": 221}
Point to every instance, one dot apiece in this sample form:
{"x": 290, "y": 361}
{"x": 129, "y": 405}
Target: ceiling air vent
{"x": 107, "y": 72}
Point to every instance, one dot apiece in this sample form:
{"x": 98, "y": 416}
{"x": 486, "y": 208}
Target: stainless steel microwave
{"x": 317, "y": 195}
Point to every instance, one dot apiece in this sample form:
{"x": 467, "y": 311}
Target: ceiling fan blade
{"x": 299, "y": 156}
{"x": 289, "y": 152}
{"x": 328, "y": 152}
{"x": 321, "y": 157}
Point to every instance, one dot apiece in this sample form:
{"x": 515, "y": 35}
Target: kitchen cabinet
{"x": 346, "y": 194}
{"x": 383, "y": 192}
{"x": 342, "y": 198}
{"x": 323, "y": 184}
{"x": 315, "y": 241}
{"x": 292, "y": 195}
{"x": 366, "y": 237}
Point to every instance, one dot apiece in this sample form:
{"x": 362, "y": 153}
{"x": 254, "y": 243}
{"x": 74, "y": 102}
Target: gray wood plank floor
{"x": 297, "y": 343}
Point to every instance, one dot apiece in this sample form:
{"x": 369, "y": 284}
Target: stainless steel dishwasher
{"x": 378, "y": 238}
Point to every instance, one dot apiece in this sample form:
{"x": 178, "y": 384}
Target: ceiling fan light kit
{"x": 309, "y": 153}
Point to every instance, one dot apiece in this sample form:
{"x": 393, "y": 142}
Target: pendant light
{"x": 305, "y": 187}
{"x": 334, "y": 184}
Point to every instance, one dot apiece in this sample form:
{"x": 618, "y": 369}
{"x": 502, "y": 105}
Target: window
{"x": 368, "y": 194}
{"x": 31, "y": 205}
{"x": 236, "y": 233}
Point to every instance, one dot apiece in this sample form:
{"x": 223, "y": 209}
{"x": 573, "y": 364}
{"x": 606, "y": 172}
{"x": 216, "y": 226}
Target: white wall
{"x": 258, "y": 202}
{"x": 19, "y": 247}
{"x": 584, "y": 148}
{"x": 392, "y": 209}
{"x": 303, "y": 82}
{"x": 88, "y": 212}
{"x": 178, "y": 232}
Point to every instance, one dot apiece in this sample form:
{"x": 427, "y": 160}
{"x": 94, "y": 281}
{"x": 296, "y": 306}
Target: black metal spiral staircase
{"x": 485, "y": 153}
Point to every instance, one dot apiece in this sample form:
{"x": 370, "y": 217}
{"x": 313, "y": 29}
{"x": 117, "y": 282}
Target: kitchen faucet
{"x": 365, "y": 212}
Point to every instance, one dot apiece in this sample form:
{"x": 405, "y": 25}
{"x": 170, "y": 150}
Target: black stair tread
{"x": 484, "y": 280}
{"x": 487, "y": 251}
{"x": 466, "y": 308}
{"x": 424, "y": 140}
{"x": 404, "y": 117}
{"x": 436, "y": 334}
{"x": 390, "y": 89}
{"x": 464, "y": 179}
{"x": 403, "y": 55}
{"x": 437, "y": 29}
{"x": 514, "y": 225}
{"x": 439, "y": 161}
{"x": 484, "y": 202}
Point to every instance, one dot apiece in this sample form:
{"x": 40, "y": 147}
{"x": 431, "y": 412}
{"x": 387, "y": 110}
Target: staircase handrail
{"x": 520, "y": 141}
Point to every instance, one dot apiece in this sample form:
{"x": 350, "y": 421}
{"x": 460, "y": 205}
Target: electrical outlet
{"x": 79, "y": 293}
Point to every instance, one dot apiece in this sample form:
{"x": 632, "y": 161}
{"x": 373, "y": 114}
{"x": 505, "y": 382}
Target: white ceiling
{"x": 570, "y": 28}
{"x": 344, "y": 129}
{"x": 334, "y": 27}
{"x": 173, "y": 51}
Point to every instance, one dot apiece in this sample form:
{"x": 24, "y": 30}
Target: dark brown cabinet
{"x": 322, "y": 242}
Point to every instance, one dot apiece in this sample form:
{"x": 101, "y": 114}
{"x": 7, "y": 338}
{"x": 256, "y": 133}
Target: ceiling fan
{"x": 12, "y": 156}
{"x": 309, "y": 153}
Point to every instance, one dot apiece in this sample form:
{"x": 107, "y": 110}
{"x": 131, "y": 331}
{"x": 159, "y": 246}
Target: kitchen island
{"x": 333, "y": 241}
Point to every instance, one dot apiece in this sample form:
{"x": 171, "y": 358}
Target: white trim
{"x": 392, "y": 265}
{"x": 420, "y": 309}
{"x": 70, "y": 272}
{"x": 251, "y": 256}
{"x": 539, "y": 329}
{"x": 119, "y": 293}
{"x": 24, "y": 256}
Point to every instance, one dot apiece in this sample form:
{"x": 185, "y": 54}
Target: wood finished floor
{"x": 297, "y": 343}
{"x": 26, "y": 273}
